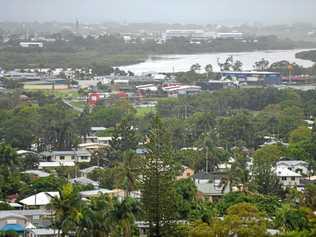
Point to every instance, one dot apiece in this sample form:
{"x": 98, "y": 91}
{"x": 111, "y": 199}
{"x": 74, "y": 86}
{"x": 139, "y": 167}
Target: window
{"x": 84, "y": 157}
{"x": 62, "y": 157}
{"x": 293, "y": 178}
{"x": 72, "y": 157}
{"x": 283, "y": 178}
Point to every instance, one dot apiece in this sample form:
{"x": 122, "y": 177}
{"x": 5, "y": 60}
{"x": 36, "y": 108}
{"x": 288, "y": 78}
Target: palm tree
{"x": 127, "y": 171}
{"x": 66, "y": 209}
{"x": 195, "y": 67}
{"x": 209, "y": 70}
{"x": 124, "y": 215}
{"x": 97, "y": 218}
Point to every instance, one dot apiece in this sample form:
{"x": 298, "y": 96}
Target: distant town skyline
{"x": 164, "y": 11}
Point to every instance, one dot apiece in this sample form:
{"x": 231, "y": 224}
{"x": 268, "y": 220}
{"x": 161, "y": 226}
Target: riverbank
{"x": 178, "y": 63}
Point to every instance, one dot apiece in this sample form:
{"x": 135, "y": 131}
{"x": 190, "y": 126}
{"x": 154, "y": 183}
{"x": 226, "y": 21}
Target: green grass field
{"x": 141, "y": 112}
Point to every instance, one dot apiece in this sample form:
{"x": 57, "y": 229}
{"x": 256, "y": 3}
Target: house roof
{"x": 93, "y": 193}
{"x": 5, "y": 215}
{"x": 38, "y": 173}
{"x": 104, "y": 138}
{"x": 284, "y": 172}
{"x": 14, "y": 205}
{"x": 292, "y": 163}
{"x": 98, "y": 129}
{"x": 26, "y": 212}
{"x": 39, "y": 199}
{"x": 22, "y": 152}
{"x": 90, "y": 169}
{"x": 92, "y": 145}
{"x": 84, "y": 181}
{"x": 202, "y": 175}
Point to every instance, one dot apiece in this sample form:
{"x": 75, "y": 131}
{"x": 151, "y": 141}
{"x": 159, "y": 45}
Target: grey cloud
{"x": 186, "y": 11}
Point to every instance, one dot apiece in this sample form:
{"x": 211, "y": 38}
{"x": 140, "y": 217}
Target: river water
{"x": 178, "y": 63}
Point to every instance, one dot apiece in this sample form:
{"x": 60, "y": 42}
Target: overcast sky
{"x": 170, "y": 11}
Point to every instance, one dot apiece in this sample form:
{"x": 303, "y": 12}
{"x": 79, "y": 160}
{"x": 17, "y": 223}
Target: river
{"x": 178, "y": 63}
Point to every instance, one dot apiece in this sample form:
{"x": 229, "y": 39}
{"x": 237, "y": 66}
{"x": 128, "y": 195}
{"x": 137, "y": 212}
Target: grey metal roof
{"x": 90, "y": 169}
{"x": 292, "y": 162}
{"x": 79, "y": 152}
{"x": 35, "y": 212}
{"x": 10, "y": 215}
{"x": 84, "y": 181}
{"x": 38, "y": 173}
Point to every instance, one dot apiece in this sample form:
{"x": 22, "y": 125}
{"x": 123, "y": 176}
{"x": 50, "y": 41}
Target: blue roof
{"x": 13, "y": 227}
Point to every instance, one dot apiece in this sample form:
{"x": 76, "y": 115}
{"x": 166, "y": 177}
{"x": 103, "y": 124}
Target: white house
{"x": 297, "y": 166}
{"x": 79, "y": 156}
{"x": 288, "y": 178}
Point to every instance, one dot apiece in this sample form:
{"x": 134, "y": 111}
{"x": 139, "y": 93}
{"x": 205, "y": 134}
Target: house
{"x": 78, "y": 156}
{"x": 212, "y": 186}
{"x": 186, "y": 172}
{"x": 288, "y": 178}
{"x": 298, "y": 166}
{"x": 85, "y": 181}
{"x": 40, "y": 200}
{"x": 21, "y": 220}
{"x": 13, "y": 222}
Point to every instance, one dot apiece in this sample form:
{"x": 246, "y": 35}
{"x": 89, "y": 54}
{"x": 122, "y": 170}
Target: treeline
{"x": 71, "y": 50}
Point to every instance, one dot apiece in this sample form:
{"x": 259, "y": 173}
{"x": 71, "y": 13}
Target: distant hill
{"x": 307, "y": 55}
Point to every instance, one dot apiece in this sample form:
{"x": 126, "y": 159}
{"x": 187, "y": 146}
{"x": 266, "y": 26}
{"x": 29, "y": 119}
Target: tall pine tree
{"x": 158, "y": 182}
